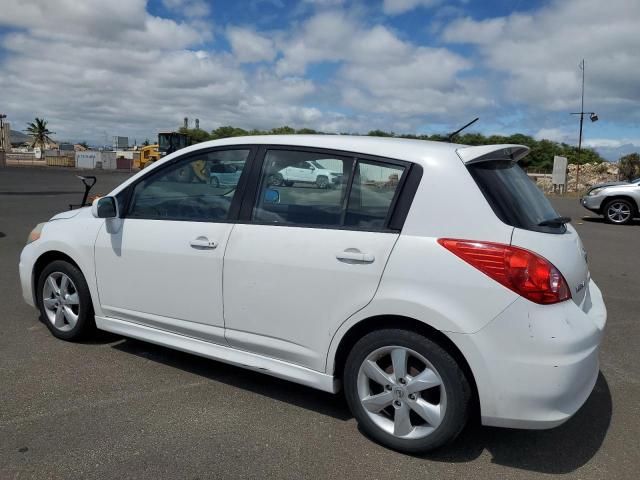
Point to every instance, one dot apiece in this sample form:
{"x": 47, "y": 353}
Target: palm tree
{"x": 39, "y": 132}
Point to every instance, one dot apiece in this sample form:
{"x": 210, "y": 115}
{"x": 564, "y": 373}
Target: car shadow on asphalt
{"x": 603, "y": 222}
{"x": 557, "y": 451}
{"x": 321, "y": 402}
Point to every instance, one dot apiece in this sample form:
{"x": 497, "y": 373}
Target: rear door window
{"x": 513, "y": 196}
{"x": 341, "y": 192}
{"x": 290, "y": 200}
{"x": 374, "y": 189}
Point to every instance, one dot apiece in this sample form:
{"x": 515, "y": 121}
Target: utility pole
{"x": 592, "y": 115}
{"x": 2, "y": 139}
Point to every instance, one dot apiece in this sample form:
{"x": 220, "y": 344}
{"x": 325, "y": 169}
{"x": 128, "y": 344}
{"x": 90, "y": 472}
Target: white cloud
{"x": 94, "y": 66}
{"x": 379, "y": 72}
{"x": 249, "y": 46}
{"x": 611, "y": 143}
{"x": 396, "y": 7}
{"x": 188, "y": 8}
{"x": 554, "y": 134}
{"x": 539, "y": 52}
{"x": 114, "y": 70}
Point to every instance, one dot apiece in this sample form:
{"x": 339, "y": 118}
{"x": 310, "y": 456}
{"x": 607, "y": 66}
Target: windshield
{"x": 316, "y": 164}
{"x": 514, "y": 197}
{"x": 164, "y": 142}
{"x": 635, "y": 180}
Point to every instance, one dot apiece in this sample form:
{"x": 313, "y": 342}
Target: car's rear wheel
{"x": 64, "y": 301}
{"x": 406, "y": 391}
{"x": 618, "y": 211}
{"x": 288, "y": 183}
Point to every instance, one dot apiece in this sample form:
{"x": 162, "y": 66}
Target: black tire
{"x": 619, "y": 218}
{"x": 85, "y": 325}
{"x": 288, "y": 183}
{"x": 322, "y": 181}
{"x": 456, "y": 386}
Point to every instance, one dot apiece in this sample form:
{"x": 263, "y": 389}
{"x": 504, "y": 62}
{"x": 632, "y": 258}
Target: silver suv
{"x": 619, "y": 202}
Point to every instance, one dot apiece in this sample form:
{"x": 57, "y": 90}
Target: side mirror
{"x": 104, "y": 207}
{"x": 271, "y": 195}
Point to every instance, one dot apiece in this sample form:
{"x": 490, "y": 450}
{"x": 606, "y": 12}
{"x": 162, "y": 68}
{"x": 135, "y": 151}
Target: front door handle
{"x": 353, "y": 255}
{"x": 203, "y": 243}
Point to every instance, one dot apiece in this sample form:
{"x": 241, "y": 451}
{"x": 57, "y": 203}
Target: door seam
{"x": 224, "y": 262}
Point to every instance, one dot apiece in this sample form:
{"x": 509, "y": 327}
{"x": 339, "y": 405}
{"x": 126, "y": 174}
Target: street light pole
{"x": 2, "y": 117}
{"x": 582, "y": 113}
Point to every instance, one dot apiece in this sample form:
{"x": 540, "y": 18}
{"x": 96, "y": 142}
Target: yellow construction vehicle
{"x": 168, "y": 142}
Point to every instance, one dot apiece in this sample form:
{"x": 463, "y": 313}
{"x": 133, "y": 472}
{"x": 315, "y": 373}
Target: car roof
{"x": 412, "y": 150}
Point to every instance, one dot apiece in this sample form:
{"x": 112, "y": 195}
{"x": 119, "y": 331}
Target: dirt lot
{"x": 123, "y": 408}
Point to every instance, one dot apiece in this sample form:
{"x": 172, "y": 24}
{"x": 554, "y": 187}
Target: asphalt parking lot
{"x": 121, "y": 408}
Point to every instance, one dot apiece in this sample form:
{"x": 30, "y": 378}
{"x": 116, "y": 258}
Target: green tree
{"x": 540, "y": 158}
{"x": 227, "y": 131}
{"x": 306, "y": 131}
{"x": 195, "y": 134}
{"x": 39, "y": 132}
{"x": 286, "y": 130}
{"x": 380, "y": 133}
{"x": 629, "y": 166}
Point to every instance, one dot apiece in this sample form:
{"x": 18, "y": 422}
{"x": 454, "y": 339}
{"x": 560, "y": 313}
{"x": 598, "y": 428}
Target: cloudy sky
{"x": 97, "y": 68}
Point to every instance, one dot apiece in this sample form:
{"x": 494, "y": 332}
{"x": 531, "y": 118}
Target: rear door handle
{"x": 353, "y": 255}
{"x": 203, "y": 243}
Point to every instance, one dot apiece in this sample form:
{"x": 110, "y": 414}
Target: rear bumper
{"x": 536, "y": 365}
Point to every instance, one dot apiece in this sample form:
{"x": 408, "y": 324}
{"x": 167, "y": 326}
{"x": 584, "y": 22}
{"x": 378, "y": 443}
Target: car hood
{"x": 70, "y": 214}
{"x": 608, "y": 184}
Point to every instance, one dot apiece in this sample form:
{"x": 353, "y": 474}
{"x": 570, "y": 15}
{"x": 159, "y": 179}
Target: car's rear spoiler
{"x": 485, "y": 153}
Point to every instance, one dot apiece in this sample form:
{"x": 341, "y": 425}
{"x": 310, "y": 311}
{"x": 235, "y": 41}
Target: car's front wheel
{"x": 618, "y": 211}
{"x": 406, "y": 391}
{"x": 322, "y": 181}
{"x": 64, "y": 301}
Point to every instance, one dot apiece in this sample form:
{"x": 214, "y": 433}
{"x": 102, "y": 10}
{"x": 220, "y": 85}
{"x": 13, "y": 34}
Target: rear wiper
{"x": 555, "y": 222}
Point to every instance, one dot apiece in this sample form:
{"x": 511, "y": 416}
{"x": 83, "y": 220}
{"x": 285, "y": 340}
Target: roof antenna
{"x": 451, "y": 135}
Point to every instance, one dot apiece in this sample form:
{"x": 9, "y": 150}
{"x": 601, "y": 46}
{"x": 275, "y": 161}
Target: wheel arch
{"x": 621, "y": 196}
{"x": 378, "y": 322}
{"x": 45, "y": 259}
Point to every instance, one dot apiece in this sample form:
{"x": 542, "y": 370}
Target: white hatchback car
{"x": 433, "y": 276}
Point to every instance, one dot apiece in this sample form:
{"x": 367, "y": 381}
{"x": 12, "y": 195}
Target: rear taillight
{"x": 520, "y": 270}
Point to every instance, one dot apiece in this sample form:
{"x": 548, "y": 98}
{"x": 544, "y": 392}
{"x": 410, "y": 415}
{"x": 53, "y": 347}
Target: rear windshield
{"x": 514, "y": 198}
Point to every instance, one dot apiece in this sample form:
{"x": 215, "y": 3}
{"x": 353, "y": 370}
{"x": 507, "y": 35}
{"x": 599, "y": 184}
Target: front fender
{"x": 74, "y": 237}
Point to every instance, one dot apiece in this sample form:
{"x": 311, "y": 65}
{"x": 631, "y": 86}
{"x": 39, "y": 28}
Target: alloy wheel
{"x": 61, "y": 301}
{"x": 618, "y": 212}
{"x": 402, "y": 392}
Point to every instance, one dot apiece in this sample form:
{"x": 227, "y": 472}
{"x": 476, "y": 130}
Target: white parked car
{"x": 446, "y": 279}
{"x": 307, "y": 171}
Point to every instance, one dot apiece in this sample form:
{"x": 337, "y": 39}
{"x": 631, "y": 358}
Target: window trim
{"x": 234, "y": 208}
{"x": 395, "y": 216}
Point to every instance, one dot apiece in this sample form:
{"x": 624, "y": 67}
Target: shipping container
{"x": 96, "y": 159}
